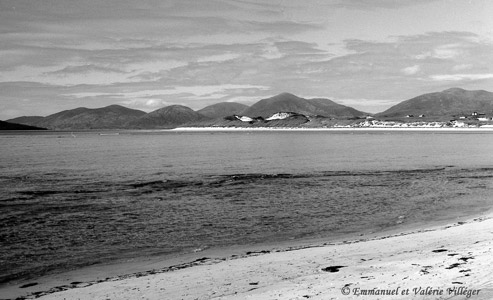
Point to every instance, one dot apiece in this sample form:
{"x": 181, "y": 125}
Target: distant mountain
{"x": 332, "y": 109}
{"x": 286, "y": 102}
{"x": 14, "y": 126}
{"x": 109, "y": 117}
{"x": 454, "y": 101}
{"x": 167, "y": 117}
{"x": 223, "y": 109}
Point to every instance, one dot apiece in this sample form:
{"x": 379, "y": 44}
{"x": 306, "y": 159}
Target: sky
{"x": 148, "y": 54}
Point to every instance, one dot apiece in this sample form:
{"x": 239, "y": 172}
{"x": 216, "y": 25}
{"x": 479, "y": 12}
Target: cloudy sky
{"x": 147, "y": 54}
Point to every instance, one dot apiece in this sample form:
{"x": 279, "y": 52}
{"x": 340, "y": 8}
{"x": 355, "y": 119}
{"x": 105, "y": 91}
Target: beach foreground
{"x": 444, "y": 262}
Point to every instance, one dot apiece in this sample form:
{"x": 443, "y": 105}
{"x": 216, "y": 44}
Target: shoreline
{"x": 116, "y": 132}
{"x": 210, "y": 263}
{"x": 437, "y": 129}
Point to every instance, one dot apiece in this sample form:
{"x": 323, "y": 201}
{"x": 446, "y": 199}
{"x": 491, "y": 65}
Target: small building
{"x": 421, "y": 116}
{"x": 410, "y": 116}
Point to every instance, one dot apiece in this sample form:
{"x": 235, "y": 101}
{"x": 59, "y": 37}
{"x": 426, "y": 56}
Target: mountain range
{"x": 448, "y": 103}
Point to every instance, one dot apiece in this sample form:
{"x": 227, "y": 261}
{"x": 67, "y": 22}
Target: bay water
{"x": 69, "y": 200}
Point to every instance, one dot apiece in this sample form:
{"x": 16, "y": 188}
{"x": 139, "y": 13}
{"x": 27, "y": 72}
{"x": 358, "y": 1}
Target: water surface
{"x": 68, "y": 201}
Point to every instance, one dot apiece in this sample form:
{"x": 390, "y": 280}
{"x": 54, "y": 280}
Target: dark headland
{"x": 14, "y": 126}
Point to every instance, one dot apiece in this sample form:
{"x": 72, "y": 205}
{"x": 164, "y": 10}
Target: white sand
{"x": 400, "y": 264}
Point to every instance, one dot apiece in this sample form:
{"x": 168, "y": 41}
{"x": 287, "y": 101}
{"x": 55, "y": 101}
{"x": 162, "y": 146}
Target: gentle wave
{"x": 46, "y": 224}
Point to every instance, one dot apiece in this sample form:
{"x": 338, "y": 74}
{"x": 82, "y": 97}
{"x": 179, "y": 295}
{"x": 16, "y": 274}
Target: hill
{"x": 332, "y": 109}
{"x": 223, "y": 109}
{"x": 286, "y": 102}
{"x": 109, "y": 117}
{"x": 450, "y": 102}
{"x": 27, "y": 120}
{"x": 14, "y": 126}
{"x": 167, "y": 117}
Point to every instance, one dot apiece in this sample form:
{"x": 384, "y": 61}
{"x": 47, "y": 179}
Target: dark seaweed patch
{"x": 333, "y": 269}
{"x": 465, "y": 259}
{"x": 144, "y": 184}
{"x": 28, "y": 285}
{"x": 161, "y": 185}
{"x": 452, "y": 266}
{"x": 258, "y": 252}
{"x": 40, "y": 193}
{"x": 439, "y": 250}
{"x": 252, "y": 177}
{"x": 56, "y": 192}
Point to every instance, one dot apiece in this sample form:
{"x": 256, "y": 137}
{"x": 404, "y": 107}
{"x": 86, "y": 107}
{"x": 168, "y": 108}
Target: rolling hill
{"x": 222, "y": 109}
{"x": 167, "y": 117}
{"x": 286, "y": 102}
{"x": 27, "y": 120}
{"x": 109, "y": 117}
{"x": 332, "y": 109}
{"x": 450, "y": 102}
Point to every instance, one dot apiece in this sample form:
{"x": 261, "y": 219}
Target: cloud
{"x": 193, "y": 96}
{"x": 146, "y": 104}
{"x": 83, "y": 69}
{"x": 366, "y": 104}
{"x": 218, "y": 57}
{"x": 271, "y": 52}
{"x": 373, "y": 4}
{"x": 368, "y": 66}
{"x": 191, "y": 90}
{"x": 411, "y": 70}
{"x": 247, "y": 100}
{"x": 197, "y": 52}
{"x": 298, "y": 47}
{"x": 175, "y": 21}
{"x": 447, "y": 51}
{"x": 442, "y": 52}
{"x": 460, "y": 77}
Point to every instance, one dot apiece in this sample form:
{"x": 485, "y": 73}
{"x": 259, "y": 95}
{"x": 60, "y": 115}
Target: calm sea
{"x": 69, "y": 200}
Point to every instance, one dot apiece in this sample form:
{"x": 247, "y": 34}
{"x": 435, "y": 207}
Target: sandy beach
{"x": 442, "y": 262}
